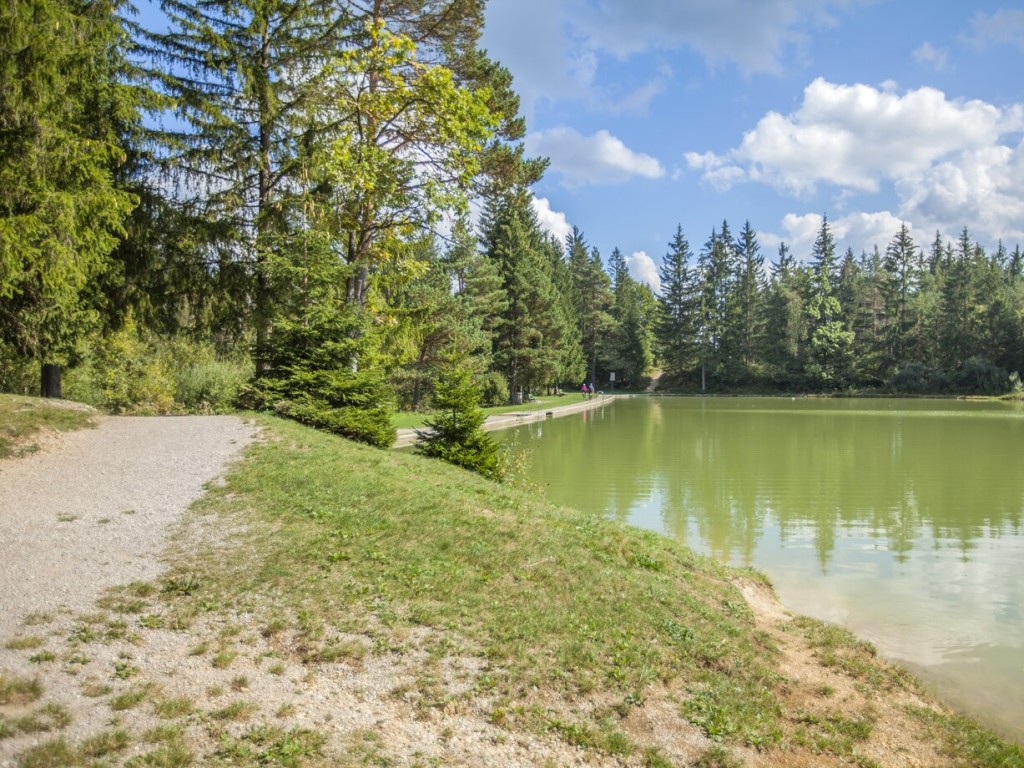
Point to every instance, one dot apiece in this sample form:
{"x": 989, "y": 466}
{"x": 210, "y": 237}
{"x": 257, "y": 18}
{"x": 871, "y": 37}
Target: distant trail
{"x": 95, "y": 511}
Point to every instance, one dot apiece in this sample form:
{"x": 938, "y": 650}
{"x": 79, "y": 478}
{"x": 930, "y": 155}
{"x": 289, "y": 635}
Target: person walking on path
{"x": 583, "y": 390}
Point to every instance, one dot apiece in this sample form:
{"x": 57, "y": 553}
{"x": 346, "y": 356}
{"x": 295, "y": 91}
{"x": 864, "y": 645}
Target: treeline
{"x": 269, "y": 205}
{"x": 945, "y": 318}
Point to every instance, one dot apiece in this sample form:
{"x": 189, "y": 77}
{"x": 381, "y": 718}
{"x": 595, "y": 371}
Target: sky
{"x": 658, "y": 114}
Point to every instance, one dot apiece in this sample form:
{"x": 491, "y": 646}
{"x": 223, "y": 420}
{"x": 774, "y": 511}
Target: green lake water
{"x": 900, "y": 519}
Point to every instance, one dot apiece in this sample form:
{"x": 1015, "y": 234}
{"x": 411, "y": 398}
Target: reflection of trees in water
{"x": 729, "y": 469}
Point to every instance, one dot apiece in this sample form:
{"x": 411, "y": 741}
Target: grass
{"x": 23, "y": 417}
{"x": 17, "y": 690}
{"x": 551, "y": 599}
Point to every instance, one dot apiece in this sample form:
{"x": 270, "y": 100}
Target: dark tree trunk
{"x": 50, "y": 381}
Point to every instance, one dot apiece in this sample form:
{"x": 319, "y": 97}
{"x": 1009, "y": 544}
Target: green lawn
{"x": 572, "y": 621}
{"x": 413, "y": 419}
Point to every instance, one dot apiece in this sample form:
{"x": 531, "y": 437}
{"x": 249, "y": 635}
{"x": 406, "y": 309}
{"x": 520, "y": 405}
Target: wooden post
{"x": 50, "y": 385}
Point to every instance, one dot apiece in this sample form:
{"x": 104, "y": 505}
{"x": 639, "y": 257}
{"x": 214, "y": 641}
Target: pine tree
{"x": 456, "y": 433}
{"x": 64, "y": 114}
{"x": 677, "y": 321}
{"x": 831, "y": 343}
{"x": 901, "y": 268}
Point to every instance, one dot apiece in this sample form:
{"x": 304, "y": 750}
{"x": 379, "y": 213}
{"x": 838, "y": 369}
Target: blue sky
{"x": 658, "y": 113}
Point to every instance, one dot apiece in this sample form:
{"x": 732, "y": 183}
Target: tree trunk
{"x": 50, "y": 381}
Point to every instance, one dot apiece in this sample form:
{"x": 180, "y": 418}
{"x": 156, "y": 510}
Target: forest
{"x": 322, "y": 208}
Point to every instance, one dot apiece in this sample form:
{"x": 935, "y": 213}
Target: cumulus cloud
{"x": 855, "y": 136}
{"x": 926, "y": 53}
{"x": 983, "y": 187}
{"x": 553, "y": 222}
{"x": 643, "y": 269}
{"x": 597, "y": 159}
{"x": 860, "y": 231}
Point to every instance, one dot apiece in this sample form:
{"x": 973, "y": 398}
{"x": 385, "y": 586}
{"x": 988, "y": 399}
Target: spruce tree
{"x": 677, "y": 320}
{"x": 65, "y": 111}
{"x": 456, "y": 433}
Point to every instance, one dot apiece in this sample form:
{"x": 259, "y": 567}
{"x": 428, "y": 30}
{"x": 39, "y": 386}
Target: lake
{"x": 899, "y": 519}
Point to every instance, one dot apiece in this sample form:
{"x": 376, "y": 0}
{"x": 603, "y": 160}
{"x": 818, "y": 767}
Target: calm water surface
{"x": 900, "y": 519}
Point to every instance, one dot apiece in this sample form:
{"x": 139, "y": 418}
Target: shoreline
{"x": 407, "y": 437}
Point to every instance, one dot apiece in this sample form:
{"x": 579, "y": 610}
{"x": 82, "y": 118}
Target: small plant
{"x": 19, "y": 690}
{"x": 151, "y": 621}
{"x": 223, "y": 658}
{"x": 43, "y": 657}
{"x": 125, "y": 670}
{"x": 277, "y": 668}
{"x": 24, "y": 643}
{"x": 131, "y": 698}
{"x": 105, "y": 743}
{"x": 285, "y": 710}
{"x": 94, "y": 689}
{"x": 51, "y": 754}
{"x": 236, "y": 710}
{"x": 172, "y": 709}
{"x": 37, "y": 618}
{"x": 66, "y": 518}
{"x": 239, "y": 683}
{"x": 183, "y": 585}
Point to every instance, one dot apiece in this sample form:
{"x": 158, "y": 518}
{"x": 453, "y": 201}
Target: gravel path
{"x": 95, "y": 511}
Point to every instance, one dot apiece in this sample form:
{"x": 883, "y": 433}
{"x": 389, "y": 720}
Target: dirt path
{"x": 94, "y": 511}
{"x": 529, "y": 413}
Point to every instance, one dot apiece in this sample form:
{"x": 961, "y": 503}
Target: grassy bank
{"x": 391, "y": 610}
{"x": 24, "y": 419}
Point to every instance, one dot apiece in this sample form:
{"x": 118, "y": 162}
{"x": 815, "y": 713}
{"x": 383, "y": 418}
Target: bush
{"x": 981, "y": 377}
{"x": 18, "y": 375}
{"x": 135, "y": 371}
{"x": 495, "y": 390}
{"x": 917, "y": 379}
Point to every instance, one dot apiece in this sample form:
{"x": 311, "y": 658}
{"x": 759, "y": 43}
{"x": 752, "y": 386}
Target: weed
{"x": 94, "y": 690}
{"x": 276, "y": 668}
{"x": 174, "y": 708}
{"x": 36, "y": 618}
{"x": 236, "y": 710}
{"x": 24, "y": 643}
{"x": 239, "y": 683}
{"x": 105, "y": 743}
{"x": 285, "y": 710}
{"x": 172, "y": 755}
{"x": 125, "y": 670}
{"x": 66, "y": 518}
{"x": 43, "y": 657}
{"x": 200, "y": 649}
{"x": 182, "y": 585}
{"x": 223, "y": 658}
{"x": 51, "y": 717}
{"x": 19, "y": 690}
{"x": 51, "y": 754}
{"x": 151, "y": 621}
{"x": 268, "y": 745}
{"x": 131, "y": 698}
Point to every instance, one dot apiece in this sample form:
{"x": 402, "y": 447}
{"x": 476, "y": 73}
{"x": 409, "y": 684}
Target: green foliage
{"x": 133, "y": 370}
{"x": 62, "y": 113}
{"x": 979, "y": 376}
{"x": 313, "y": 377}
{"x": 456, "y": 435}
{"x": 494, "y": 390}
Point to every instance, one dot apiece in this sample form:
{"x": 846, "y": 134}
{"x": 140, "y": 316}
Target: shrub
{"x": 495, "y": 389}
{"x": 979, "y": 376}
{"x": 916, "y": 378}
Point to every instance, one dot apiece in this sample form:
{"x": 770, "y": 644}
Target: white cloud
{"x": 597, "y": 159}
{"x": 982, "y": 188}
{"x": 859, "y": 231}
{"x": 643, "y": 269}
{"x": 855, "y": 136}
{"x": 926, "y": 53}
{"x": 1004, "y": 27}
{"x": 553, "y": 222}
